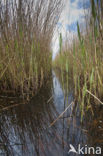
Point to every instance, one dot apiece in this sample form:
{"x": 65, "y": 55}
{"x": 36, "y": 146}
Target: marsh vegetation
{"x": 83, "y": 60}
{"x": 64, "y": 91}
{"x": 26, "y": 29}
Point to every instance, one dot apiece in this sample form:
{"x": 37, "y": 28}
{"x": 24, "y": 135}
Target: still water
{"x": 26, "y": 130}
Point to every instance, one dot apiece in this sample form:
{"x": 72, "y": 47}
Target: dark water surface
{"x": 25, "y": 130}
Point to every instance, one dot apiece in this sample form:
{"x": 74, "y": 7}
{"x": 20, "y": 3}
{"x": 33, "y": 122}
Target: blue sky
{"x": 73, "y": 11}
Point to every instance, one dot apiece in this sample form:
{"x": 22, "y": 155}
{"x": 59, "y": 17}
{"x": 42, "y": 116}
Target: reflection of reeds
{"x": 95, "y": 127}
{"x": 26, "y": 29}
{"x": 83, "y": 61}
{"x": 24, "y": 130}
{"x": 27, "y": 127}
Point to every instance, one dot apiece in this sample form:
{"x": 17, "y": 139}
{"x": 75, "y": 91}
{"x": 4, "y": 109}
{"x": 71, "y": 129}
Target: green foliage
{"x": 79, "y": 34}
{"x": 93, "y": 9}
{"x": 60, "y": 42}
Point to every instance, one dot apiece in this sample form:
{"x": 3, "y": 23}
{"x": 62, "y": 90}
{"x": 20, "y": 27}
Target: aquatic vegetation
{"x": 26, "y": 29}
{"x": 83, "y": 61}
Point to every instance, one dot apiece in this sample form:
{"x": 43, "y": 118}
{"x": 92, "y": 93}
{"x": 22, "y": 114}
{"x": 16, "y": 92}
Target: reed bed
{"x": 83, "y": 61}
{"x": 26, "y": 29}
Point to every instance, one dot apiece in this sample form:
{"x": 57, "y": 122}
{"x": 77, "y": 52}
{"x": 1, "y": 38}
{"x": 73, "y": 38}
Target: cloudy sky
{"x": 72, "y": 12}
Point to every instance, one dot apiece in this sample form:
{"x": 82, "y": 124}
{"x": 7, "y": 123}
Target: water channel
{"x": 28, "y": 130}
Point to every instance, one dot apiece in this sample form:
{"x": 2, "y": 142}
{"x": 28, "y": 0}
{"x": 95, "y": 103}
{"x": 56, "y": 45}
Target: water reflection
{"x": 25, "y": 131}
